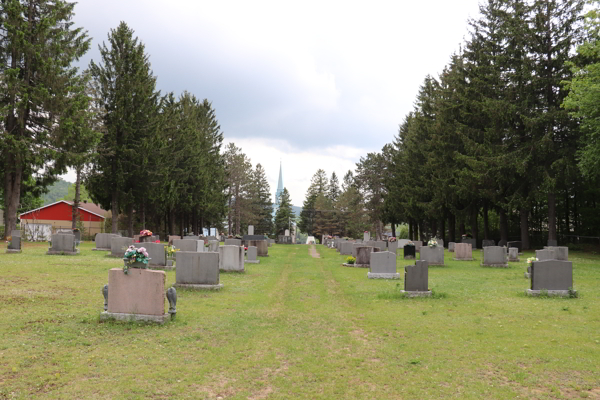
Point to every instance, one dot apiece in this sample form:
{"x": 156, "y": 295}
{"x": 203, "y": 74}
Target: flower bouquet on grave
{"x": 392, "y": 239}
{"x": 171, "y": 252}
{"x": 531, "y": 259}
{"x": 432, "y": 243}
{"x": 145, "y": 232}
{"x": 410, "y": 243}
{"x": 350, "y": 260}
{"x": 135, "y": 258}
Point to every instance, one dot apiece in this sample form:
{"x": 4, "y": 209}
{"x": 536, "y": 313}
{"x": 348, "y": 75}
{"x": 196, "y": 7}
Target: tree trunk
{"x": 130, "y": 220}
{"x": 143, "y": 213}
{"x": 229, "y": 219}
{"x": 421, "y": 237}
{"x": 443, "y": 230}
{"x": 410, "y": 229}
{"x": 461, "y": 227}
{"x": 393, "y": 229}
{"x": 551, "y": 215}
{"x": 171, "y": 221}
{"x": 75, "y": 208}
{"x": 452, "y": 227}
{"x": 114, "y": 204}
{"x": 181, "y": 224}
{"x": 474, "y": 227}
{"x": 524, "y": 228}
{"x": 434, "y": 227}
{"x": 567, "y": 222}
{"x": 486, "y": 227}
{"x": 503, "y": 224}
{"x": 13, "y": 171}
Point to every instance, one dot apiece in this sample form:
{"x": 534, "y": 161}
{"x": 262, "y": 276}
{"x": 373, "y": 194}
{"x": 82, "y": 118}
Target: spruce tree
{"x": 284, "y": 218}
{"x": 37, "y": 48}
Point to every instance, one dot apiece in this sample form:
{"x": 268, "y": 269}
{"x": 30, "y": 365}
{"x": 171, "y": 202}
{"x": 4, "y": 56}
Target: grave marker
{"x": 463, "y": 252}
{"x": 494, "y": 256}
{"x": 252, "y": 255}
{"x": 416, "y": 280}
{"x": 552, "y": 277}
{"x": 197, "y": 270}
{"x": 383, "y": 266}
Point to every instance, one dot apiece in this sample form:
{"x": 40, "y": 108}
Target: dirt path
{"x": 313, "y": 252}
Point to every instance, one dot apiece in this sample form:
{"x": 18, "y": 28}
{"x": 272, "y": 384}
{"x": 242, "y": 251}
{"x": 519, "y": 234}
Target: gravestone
{"x": 138, "y": 295}
{"x": 287, "y": 232}
{"x": 363, "y": 256}
{"x": 191, "y": 237}
{"x": 392, "y": 247}
{"x": 544, "y": 255}
{"x": 170, "y": 239}
{"x": 233, "y": 242}
{"x": 383, "y": 266}
{"x": 433, "y": 255}
{"x": 246, "y": 238}
{"x": 516, "y": 244}
{"x": 416, "y": 280}
{"x": 282, "y": 239}
{"x": 346, "y": 249}
{"x": 552, "y": 243}
{"x": 440, "y": 242}
{"x": 356, "y": 246}
{"x": 494, "y": 256}
{"x": 63, "y": 244}
{"x": 553, "y": 277}
{"x": 473, "y": 243}
{"x": 451, "y": 246}
{"x": 366, "y": 236}
{"x": 560, "y": 253}
{"x": 463, "y": 252}
{"x": 118, "y": 245}
{"x": 262, "y": 247}
{"x": 252, "y": 254}
{"x": 513, "y": 254}
{"x": 231, "y": 258}
{"x": 77, "y": 234}
{"x": 250, "y": 229}
{"x": 15, "y": 242}
{"x": 502, "y": 243}
{"x": 418, "y": 244}
{"x": 197, "y": 270}
{"x": 157, "y": 253}
{"x": 189, "y": 245}
{"x": 410, "y": 252}
{"x": 213, "y": 246}
{"x": 485, "y": 243}
{"x": 382, "y": 245}
{"x": 102, "y": 241}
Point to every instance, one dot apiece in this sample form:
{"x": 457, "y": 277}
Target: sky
{"x": 311, "y": 84}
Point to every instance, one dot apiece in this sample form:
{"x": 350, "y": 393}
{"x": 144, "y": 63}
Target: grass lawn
{"x": 295, "y": 327}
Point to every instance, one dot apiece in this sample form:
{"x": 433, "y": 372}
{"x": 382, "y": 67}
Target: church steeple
{"x": 279, "y": 186}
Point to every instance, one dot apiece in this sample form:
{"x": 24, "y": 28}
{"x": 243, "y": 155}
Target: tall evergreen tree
{"x": 38, "y": 45}
{"x": 129, "y": 101}
{"x": 285, "y": 217}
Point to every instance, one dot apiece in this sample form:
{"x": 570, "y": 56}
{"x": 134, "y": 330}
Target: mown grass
{"x": 298, "y": 327}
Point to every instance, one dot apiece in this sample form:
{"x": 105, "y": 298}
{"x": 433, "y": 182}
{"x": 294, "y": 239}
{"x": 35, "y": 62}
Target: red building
{"x": 41, "y": 223}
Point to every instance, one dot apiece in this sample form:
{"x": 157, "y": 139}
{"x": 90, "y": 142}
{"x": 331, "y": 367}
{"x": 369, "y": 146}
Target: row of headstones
{"x": 552, "y": 272}
{"x": 60, "y": 243}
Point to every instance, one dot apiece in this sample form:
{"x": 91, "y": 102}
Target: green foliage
{"x": 284, "y": 217}
{"x": 57, "y": 191}
{"x": 350, "y": 260}
{"x": 83, "y": 194}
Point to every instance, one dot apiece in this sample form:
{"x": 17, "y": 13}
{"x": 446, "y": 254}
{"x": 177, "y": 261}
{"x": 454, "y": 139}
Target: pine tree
{"x": 284, "y": 218}
{"x": 263, "y": 207}
{"x": 37, "y": 48}
{"x": 120, "y": 173}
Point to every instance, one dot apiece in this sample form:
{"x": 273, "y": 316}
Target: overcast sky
{"x": 315, "y": 84}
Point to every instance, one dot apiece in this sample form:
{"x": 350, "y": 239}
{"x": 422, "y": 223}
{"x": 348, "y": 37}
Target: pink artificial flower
{"x": 137, "y": 241}
{"x": 158, "y": 241}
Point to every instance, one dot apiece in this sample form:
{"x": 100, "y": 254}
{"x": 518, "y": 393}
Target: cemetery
{"x": 417, "y": 308}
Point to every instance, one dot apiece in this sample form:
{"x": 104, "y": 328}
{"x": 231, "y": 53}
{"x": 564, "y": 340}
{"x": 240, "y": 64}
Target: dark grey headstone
{"x": 156, "y": 252}
{"x": 472, "y": 241}
{"x": 433, "y": 255}
{"x": 252, "y": 253}
{"x": 552, "y": 243}
{"x": 15, "y": 243}
{"x": 15, "y": 233}
{"x": 551, "y": 275}
{"x": 544, "y": 255}
{"x": 189, "y": 245}
{"x": 502, "y": 243}
{"x": 383, "y": 262}
{"x": 253, "y": 237}
{"x": 346, "y": 248}
{"x": 494, "y": 256}
{"x": 409, "y": 252}
{"x": 119, "y": 244}
{"x": 451, "y": 246}
{"x": 363, "y": 254}
{"x": 416, "y": 277}
{"x": 487, "y": 243}
{"x": 233, "y": 242}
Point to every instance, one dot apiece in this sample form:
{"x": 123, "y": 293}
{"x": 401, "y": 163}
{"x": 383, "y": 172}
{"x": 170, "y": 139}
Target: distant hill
{"x": 297, "y": 210}
{"x": 56, "y": 191}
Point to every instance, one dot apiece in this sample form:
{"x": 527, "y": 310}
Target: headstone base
{"x": 198, "y": 287}
{"x": 495, "y": 265}
{"x": 13, "y": 251}
{"x": 159, "y": 319}
{"x": 371, "y": 275}
{"x": 235, "y": 271}
{"x": 463, "y": 259}
{"x": 557, "y": 293}
{"x": 409, "y": 258}
{"x": 252, "y": 261}
{"x": 100, "y": 249}
{"x": 416, "y": 294}
{"x": 62, "y": 253}
{"x": 161, "y": 267}
{"x": 357, "y": 265}
{"x": 516, "y": 260}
